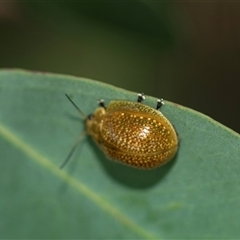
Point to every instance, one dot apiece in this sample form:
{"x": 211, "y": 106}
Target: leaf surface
{"x": 194, "y": 196}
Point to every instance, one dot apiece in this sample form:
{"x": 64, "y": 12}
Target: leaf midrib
{"x": 45, "y": 162}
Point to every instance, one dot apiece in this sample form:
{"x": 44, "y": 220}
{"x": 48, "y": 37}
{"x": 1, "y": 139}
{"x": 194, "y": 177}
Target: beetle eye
{"x": 90, "y": 116}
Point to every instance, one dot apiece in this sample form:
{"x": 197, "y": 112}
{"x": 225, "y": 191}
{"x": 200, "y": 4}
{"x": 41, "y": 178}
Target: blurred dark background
{"x": 185, "y": 52}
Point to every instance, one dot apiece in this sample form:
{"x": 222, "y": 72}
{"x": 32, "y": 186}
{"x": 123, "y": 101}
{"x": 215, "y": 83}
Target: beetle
{"x": 131, "y": 133}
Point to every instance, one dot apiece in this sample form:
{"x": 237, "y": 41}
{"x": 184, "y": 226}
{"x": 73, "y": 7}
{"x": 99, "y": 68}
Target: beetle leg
{"x": 101, "y": 103}
{"x": 160, "y": 102}
{"x": 141, "y": 97}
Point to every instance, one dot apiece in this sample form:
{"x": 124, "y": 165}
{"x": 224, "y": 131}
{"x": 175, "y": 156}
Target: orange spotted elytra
{"x": 131, "y": 133}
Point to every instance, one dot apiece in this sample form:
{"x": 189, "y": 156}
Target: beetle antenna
{"x": 78, "y": 109}
{"x": 73, "y": 149}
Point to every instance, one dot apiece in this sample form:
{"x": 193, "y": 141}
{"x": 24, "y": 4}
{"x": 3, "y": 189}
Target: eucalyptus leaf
{"x": 194, "y": 196}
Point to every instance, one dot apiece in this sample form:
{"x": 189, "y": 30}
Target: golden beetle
{"x": 131, "y": 133}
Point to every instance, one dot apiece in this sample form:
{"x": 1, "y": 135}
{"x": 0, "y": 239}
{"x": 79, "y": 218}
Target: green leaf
{"x": 194, "y": 196}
